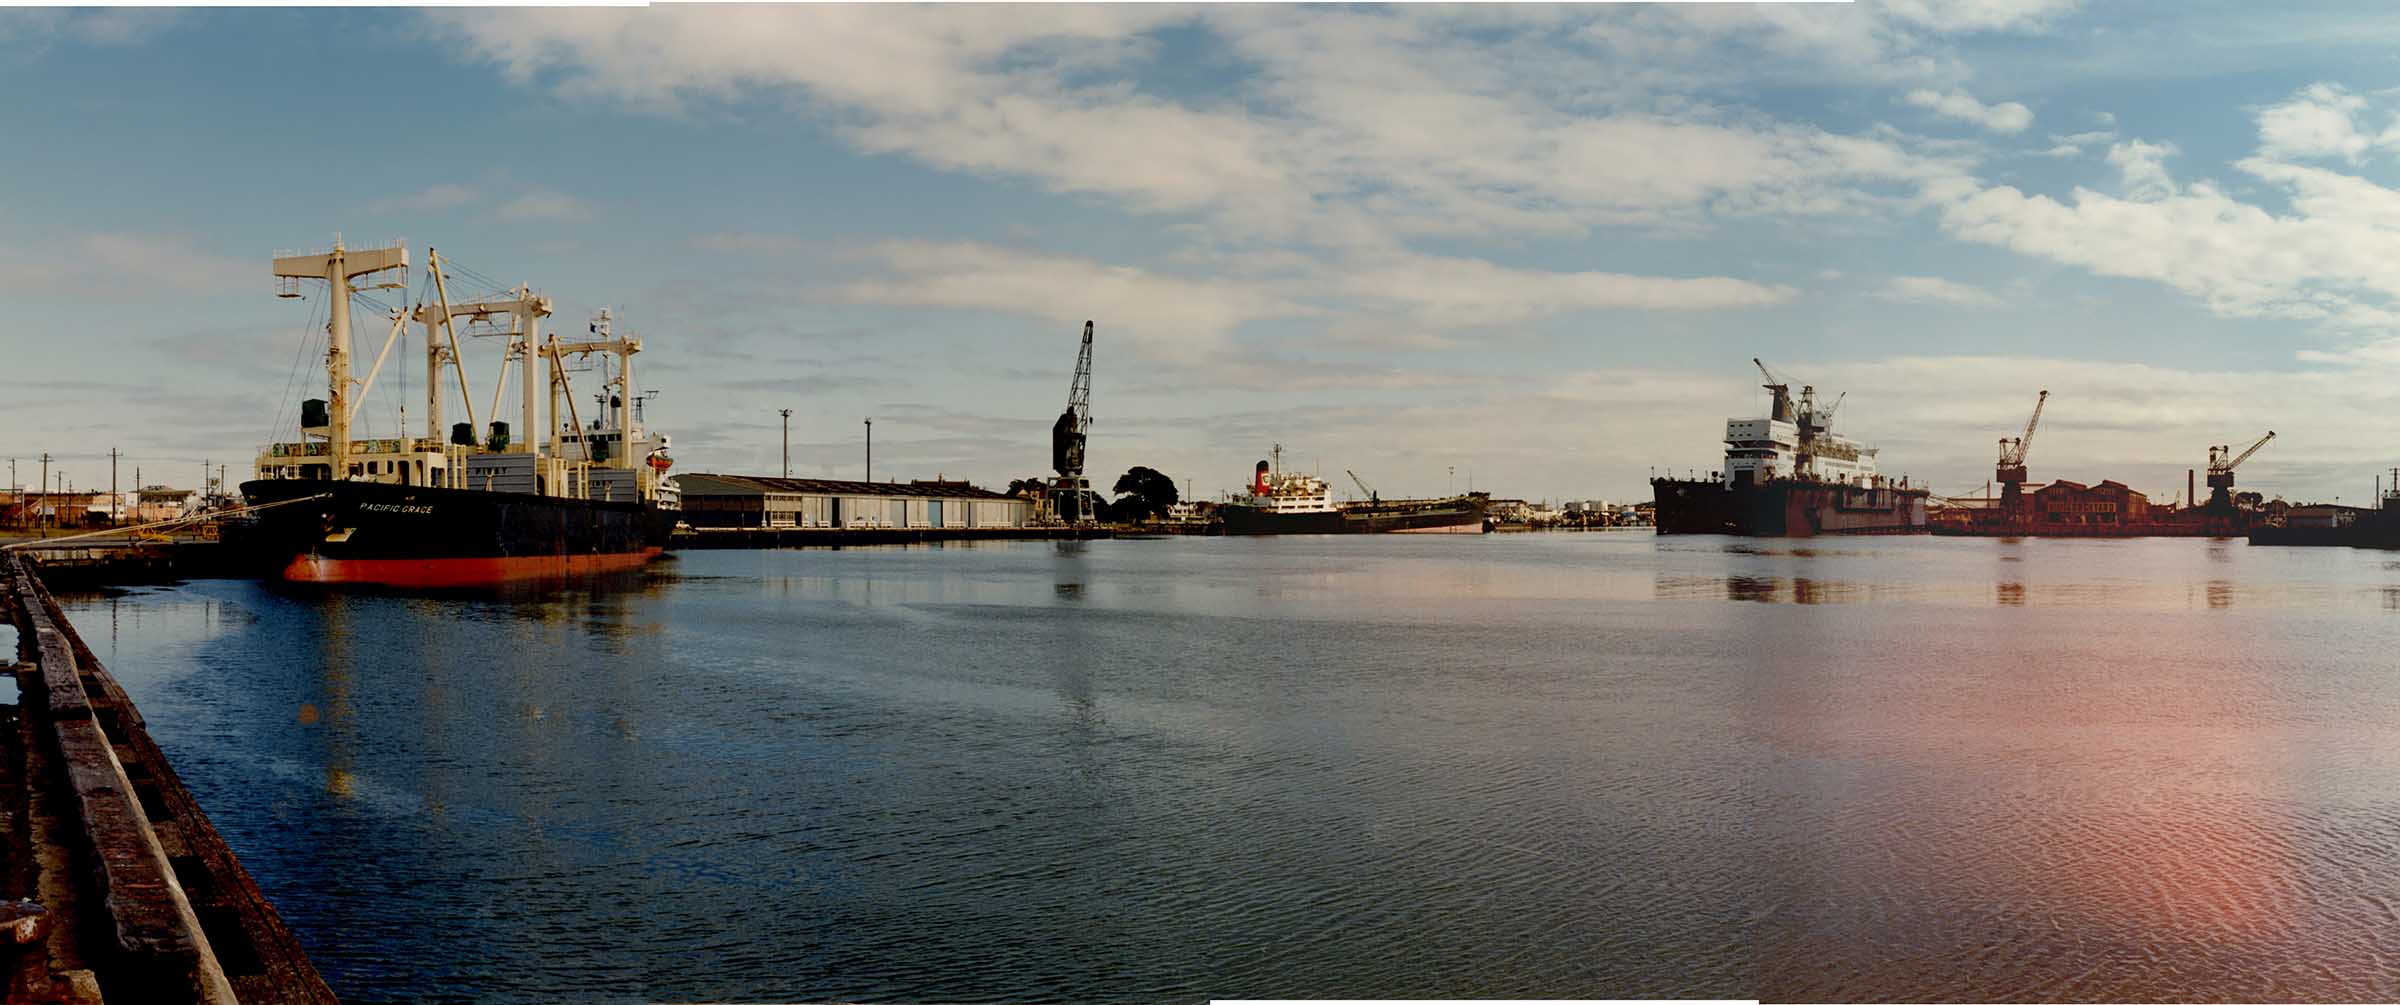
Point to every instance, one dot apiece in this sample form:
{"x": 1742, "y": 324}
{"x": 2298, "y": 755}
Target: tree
{"x": 1029, "y": 488}
{"x": 1143, "y": 492}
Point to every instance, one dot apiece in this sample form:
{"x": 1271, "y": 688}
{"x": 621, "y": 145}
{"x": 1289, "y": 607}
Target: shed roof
{"x": 703, "y": 484}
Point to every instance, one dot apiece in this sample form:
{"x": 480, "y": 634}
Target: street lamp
{"x": 870, "y": 450}
{"x": 787, "y": 443}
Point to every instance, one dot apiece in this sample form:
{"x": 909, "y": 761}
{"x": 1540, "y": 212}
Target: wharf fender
{"x": 146, "y": 902}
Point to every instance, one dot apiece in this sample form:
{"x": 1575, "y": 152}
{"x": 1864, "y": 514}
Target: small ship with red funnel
{"x": 1281, "y": 502}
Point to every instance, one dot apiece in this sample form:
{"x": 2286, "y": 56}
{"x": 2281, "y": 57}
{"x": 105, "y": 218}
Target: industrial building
{"x": 2072, "y": 503}
{"x": 744, "y": 501}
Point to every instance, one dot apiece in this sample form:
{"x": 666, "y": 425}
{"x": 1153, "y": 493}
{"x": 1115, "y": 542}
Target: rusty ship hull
{"x": 1786, "y": 508}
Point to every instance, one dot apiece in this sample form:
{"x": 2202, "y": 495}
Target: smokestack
{"x": 1258, "y": 482}
{"x": 2188, "y": 486}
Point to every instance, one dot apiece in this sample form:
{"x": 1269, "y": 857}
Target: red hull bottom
{"x": 439, "y": 572}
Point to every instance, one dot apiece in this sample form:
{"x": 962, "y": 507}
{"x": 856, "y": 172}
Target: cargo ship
{"x": 1789, "y": 475}
{"x": 1281, "y": 502}
{"x": 438, "y": 511}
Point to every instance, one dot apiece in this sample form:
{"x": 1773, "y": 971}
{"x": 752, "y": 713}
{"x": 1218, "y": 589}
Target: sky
{"x": 1531, "y": 247}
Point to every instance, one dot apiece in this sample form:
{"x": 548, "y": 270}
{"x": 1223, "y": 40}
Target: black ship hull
{"x": 1463, "y": 515}
{"x": 415, "y": 536}
{"x": 1786, "y": 508}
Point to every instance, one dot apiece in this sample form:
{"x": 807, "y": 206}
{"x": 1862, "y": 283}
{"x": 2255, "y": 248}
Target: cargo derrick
{"x": 2011, "y": 471}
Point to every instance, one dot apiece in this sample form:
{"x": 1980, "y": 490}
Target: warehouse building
{"x": 2110, "y": 502}
{"x": 711, "y": 500}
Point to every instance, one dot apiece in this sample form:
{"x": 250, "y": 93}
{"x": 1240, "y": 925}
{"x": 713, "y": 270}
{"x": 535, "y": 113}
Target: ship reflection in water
{"x": 1536, "y": 765}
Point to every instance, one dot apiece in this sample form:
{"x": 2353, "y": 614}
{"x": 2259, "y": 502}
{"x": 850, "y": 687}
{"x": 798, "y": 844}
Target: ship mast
{"x": 337, "y": 268}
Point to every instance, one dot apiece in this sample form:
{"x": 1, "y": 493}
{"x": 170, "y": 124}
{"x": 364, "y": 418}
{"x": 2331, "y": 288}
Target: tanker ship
{"x": 1789, "y": 475}
{"x": 437, "y": 512}
{"x": 1282, "y": 502}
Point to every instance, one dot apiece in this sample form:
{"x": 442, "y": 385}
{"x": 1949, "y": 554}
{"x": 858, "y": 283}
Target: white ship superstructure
{"x": 1795, "y": 441}
{"x": 1276, "y": 491}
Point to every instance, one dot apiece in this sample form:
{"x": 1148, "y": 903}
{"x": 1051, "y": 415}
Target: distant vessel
{"x": 1790, "y": 475}
{"x": 430, "y": 512}
{"x": 1280, "y": 502}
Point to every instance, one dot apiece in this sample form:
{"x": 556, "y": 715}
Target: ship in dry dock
{"x": 1788, "y": 474}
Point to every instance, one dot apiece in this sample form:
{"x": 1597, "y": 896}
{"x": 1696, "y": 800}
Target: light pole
{"x": 870, "y": 450}
{"x": 787, "y": 443}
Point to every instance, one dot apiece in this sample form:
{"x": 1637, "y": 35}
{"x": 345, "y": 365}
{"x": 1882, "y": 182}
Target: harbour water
{"x": 1542, "y": 765}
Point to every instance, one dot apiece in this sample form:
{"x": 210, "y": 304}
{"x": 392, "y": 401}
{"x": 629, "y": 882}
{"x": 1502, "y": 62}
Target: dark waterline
{"x": 1587, "y": 765}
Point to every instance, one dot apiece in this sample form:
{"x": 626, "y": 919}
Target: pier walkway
{"x": 142, "y": 901}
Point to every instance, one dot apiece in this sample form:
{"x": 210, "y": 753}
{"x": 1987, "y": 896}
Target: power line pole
{"x": 114, "y": 500}
{"x": 47, "y": 502}
{"x": 787, "y": 443}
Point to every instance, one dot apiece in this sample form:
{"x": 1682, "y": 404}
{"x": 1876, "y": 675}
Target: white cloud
{"x": 2321, "y": 121}
{"x": 1935, "y": 290}
{"x": 1412, "y": 298}
{"x": 1166, "y": 315}
{"x": 543, "y": 205}
{"x": 1461, "y": 292}
{"x": 2007, "y": 117}
{"x": 2237, "y": 259}
{"x": 2144, "y": 168}
{"x": 102, "y": 262}
{"x": 1354, "y": 129}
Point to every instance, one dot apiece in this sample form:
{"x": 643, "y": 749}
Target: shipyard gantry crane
{"x": 2011, "y": 471}
{"x": 1070, "y": 492}
{"x": 2220, "y": 472}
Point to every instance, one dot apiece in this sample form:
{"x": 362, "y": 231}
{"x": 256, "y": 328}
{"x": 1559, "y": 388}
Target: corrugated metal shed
{"x": 717, "y": 500}
{"x": 698, "y": 484}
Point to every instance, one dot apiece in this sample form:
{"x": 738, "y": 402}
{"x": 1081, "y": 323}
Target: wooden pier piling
{"x": 144, "y": 901}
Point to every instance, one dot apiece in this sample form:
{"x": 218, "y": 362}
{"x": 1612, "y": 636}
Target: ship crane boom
{"x": 2013, "y": 452}
{"x": 1362, "y": 485}
{"x": 2262, "y": 441}
{"x": 2025, "y": 442}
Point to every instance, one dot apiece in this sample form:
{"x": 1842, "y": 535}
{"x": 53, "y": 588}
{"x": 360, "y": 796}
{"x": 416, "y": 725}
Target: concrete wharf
{"x": 835, "y": 537}
{"x": 142, "y": 899}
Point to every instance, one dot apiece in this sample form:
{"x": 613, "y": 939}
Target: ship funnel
{"x": 1258, "y": 482}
